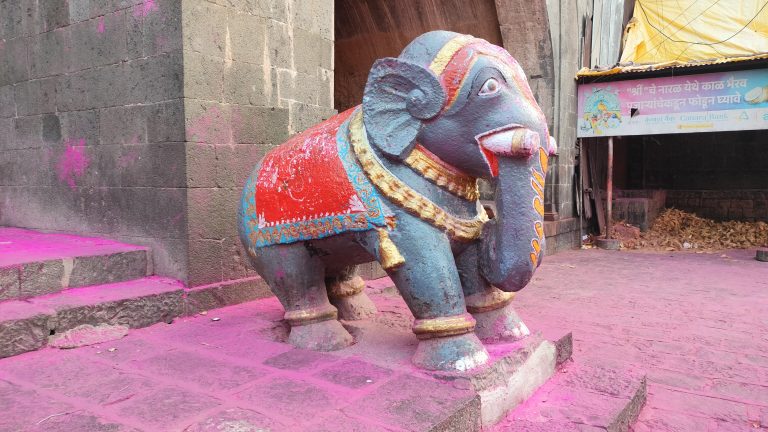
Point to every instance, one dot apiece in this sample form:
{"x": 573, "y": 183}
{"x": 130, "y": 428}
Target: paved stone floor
{"x": 695, "y": 322}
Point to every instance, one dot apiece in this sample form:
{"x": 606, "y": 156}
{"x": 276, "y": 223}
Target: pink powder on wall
{"x": 73, "y": 163}
{"x": 213, "y": 127}
{"x": 144, "y": 8}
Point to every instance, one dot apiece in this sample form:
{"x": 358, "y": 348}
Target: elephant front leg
{"x": 429, "y": 283}
{"x": 491, "y": 307}
{"x": 296, "y": 276}
{"x": 345, "y": 291}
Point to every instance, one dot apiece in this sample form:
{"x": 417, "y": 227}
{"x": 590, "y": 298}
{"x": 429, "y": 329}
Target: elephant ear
{"x": 398, "y": 97}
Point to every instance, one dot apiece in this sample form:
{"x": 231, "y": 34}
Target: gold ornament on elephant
{"x": 441, "y": 174}
{"x": 403, "y": 195}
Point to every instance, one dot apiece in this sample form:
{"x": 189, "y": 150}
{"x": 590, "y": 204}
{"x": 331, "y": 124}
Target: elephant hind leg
{"x": 296, "y": 277}
{"x": 345, "y": 291}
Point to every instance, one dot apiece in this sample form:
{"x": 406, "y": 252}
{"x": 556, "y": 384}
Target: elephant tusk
{"x": 552, "y": 148}
{"x": 512, "y": 140}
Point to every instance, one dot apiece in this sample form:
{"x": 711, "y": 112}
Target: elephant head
{"x": 467, "y": 103}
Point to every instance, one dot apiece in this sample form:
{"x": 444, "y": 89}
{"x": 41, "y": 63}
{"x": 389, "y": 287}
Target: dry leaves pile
{"x": 676, "y": 230}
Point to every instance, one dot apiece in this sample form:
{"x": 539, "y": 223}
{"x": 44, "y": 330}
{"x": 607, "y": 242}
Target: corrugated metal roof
{"x": 640, "y": 68}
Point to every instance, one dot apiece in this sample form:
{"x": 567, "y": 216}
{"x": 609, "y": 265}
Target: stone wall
{"x": 741, "y": 205}
{"x": 91, "y": 121}
{"x": 140, "y": 119}
{"x": 255, "y": 73}
{"x": 720, "y": 175}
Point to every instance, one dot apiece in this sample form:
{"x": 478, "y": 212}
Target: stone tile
{"x": 80, "y": 421}
{"x": 338, "y": 422}
{"x": 131, "y": 348}
{"x": 414, "y": 403}
{"x": 108, "y": 268}
{"x": 23, "y": 327}
{"x": 9, "y": 283}
{"x": 137, "y": 303}
{"x": 354, "y": 374}
{"x": 207, "y": 373}
{"x": 24, "y": 408}
{"x": 69, "y": 374}
{"x": 299, "y": 359}
{"x": 599, "y": 378}
{"x": 667, "y": 421}
{"x": 290, "y": 398}
{"x": 167, "y": 408}
{"x": 40, "y": 278}
{"x": 199, "y": 300}
{"x": 237, "y": 419}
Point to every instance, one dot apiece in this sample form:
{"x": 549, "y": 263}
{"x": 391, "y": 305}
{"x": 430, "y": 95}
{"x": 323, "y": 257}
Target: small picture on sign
{"x": 756, "y": 95}
{"x": 602, "y": 110}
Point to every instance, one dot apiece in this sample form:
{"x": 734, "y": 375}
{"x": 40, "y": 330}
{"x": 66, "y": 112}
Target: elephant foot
{"x": 317, "y": 329}
{"x": 496, "y": 318}
{"x": 350, "y": 300}
{"x": 451, "y": 354}
{"x": 321, "y": 336}
{"x": 500, "y": 325}
{"x": 355, "y": 307}
{"x": 448, "y": 344}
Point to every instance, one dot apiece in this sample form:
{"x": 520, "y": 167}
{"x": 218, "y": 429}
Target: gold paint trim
{"x": 347, "y": 288}
{"x": 310, "y": 316}
{"x": 442, "y": 174}
{"x": 488, "y": 301}
{"x": 443, "y": 326}
{"x": 403, "y": 195}
{"x": 446, "y": 53}
{"x": 389, "y": 256}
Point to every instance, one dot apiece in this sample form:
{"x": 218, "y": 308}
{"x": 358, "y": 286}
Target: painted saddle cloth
{"x": 310, "y": 187}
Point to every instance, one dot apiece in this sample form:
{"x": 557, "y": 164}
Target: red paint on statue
{"x": 304, "y": 178}
{"x": 73, "y": 163}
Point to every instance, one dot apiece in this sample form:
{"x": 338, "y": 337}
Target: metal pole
{"x": 609, "y": 188}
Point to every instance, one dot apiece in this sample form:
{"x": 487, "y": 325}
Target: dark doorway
{"x": 367, "y": 30}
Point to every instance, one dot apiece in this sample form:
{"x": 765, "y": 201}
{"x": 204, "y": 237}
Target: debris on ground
{"x": 87, "y": 334}
{"x": 679, "y": 230}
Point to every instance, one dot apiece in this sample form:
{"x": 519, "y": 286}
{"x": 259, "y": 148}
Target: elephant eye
{"x": 491, "y": 86}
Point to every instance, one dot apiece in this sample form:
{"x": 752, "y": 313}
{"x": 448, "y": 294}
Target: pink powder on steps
{"x": 73, "y": 163}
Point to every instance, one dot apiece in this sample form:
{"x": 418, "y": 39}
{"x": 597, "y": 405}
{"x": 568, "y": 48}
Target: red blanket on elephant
{"x": 311, "y": 187}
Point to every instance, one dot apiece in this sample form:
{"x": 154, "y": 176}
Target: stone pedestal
{"x": 513, "y": 374}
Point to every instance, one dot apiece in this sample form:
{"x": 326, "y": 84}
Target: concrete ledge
{"x": 26, "y": 325}
{"x": 203, "y": 298}
{"x": 35, "y": 264}
{"x": 562, "y": 234}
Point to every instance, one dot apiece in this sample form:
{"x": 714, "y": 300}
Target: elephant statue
{"x": 395, "y": 180}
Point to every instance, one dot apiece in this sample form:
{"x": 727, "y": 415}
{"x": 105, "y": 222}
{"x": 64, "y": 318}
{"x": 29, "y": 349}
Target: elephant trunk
{"x": 512, "y": 243}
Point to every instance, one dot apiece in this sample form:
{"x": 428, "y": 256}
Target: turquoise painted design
{"x": 365, "y": 190}
{"x": 369, "y": 214}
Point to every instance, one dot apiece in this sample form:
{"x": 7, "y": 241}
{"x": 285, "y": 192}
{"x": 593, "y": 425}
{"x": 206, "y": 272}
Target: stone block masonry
{"x": 255, "y": 73}
{"x": 91, "y": 124}
{"x": 139, "y": 120}
{"x": 723, "y": 205}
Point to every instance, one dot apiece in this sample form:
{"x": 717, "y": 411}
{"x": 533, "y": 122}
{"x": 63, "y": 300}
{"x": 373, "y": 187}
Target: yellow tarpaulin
{"x": 691, "y": 30}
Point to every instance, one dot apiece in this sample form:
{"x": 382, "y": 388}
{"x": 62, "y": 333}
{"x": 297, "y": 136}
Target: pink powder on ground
{"x": 73, "y": 163}
{"x": 100, "y": 29}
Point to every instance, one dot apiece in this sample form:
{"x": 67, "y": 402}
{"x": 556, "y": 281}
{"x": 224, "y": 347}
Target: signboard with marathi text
{"x": 710, "y": 102}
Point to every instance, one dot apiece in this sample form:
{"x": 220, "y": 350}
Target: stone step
{"x": 34, "y": 263}
{"x": 26, "y": 325}
{"x": 582, "y": 396}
